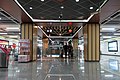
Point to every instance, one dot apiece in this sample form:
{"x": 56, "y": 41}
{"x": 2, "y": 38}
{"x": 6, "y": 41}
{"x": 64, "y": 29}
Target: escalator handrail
{"x": 5, "y": 51}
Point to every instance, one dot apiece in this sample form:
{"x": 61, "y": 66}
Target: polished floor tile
{"x": 63, "y": 69}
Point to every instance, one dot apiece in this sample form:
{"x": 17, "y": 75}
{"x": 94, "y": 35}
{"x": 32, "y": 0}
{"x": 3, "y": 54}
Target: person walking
{"x": 70, "y": 50}
{"x": 65, "y": 49}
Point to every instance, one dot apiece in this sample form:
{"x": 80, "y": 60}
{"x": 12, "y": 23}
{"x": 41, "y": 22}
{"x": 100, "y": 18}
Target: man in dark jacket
{"x": 70, "y": 50}
{"x": 65, "y": 49}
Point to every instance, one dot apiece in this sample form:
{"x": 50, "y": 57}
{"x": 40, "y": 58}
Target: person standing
{"x": 38, "y": 51}
{"x": 65, "y": 49}
{"x": 70, "y": 50}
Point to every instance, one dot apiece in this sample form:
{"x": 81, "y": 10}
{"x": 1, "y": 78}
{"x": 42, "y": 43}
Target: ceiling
{"x": 60, "y": 29}
{"x": 9, "y": 27}
{"x": 111, "y": 26}
{"x": 60, "y": 9}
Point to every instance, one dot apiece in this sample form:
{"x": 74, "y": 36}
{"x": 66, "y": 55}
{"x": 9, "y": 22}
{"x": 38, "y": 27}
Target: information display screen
{"x": 113, "y": 46}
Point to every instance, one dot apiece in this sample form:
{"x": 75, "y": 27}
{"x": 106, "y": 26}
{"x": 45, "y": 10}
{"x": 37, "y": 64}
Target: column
{"x": 91, "y": 42}
{"x": 75, "y": 47}
{"x": 35, "y": 35}
{"x": 29, "y": 32}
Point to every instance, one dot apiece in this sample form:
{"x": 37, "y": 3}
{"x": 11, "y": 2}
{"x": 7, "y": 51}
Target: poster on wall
{"x": 113, "y": 46}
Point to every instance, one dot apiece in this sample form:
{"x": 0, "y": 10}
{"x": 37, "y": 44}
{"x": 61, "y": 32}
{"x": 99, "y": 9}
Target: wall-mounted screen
{"x": 113, "y": 46}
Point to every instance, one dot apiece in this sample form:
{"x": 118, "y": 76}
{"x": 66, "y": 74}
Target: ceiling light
{"x": 81, "y": 68}
{"x": 13, "y": 28}
{"x": 100, "y": 33}
{"x": 107, "y": 36}
{"x": 91, "y": 7}
{"x": 18, "y": 71}
{"x": 13, "y": 36}
{"x": 109, "y": 75}
{"x": 42, "y": 0}
{"x": 47, "y": 30}
{"x": 83, "y": 71}
{"x": 62, "y": 7}
{"x": 41, "y": 26}
{"x": 102, "y": 71}
{"x": 3, "y": 33}
{"x": 116, "y": 34}
{"x": 35, "y": 26}
{"x": 50, "y": 30}
{"x": 109, "y": 29}
{"x": 0, "y": 18}
{"x": 31, "y": 8}
{"x": 77, "y": 0}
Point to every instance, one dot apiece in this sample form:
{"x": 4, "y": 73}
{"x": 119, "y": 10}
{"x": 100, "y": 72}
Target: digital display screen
{"x": 113, "y": 46}
{"x": 114, "y": 64}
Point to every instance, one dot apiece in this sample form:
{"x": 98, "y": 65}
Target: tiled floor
{"x": 63, "y": 69}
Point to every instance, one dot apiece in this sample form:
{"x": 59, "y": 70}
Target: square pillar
{"x": 91, "y": 33}
{"x": 29, "y": 32}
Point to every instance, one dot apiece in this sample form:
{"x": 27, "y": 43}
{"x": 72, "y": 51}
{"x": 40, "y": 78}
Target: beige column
{"x": 35, "y": 35}
{"x": 75, "y": 47}
{"x": 27, "y": 32}
{"x": 91, "y": 42}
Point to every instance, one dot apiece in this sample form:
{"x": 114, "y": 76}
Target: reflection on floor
{"x": 63, "y": 69}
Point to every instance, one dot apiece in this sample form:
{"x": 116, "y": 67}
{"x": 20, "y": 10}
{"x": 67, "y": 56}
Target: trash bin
{"x": 3, "y": 59}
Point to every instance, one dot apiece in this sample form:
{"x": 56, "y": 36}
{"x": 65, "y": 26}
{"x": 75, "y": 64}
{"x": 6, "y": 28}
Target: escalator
{"x": 4, "y": 58}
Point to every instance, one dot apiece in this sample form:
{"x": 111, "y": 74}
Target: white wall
{"x": 104, "y": 47}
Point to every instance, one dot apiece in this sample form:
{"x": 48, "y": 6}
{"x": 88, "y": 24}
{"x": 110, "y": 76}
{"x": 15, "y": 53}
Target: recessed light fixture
{"x": 41, "y": 26}
{"x": 42, "y": 0}
{"x": 0, "y": 18}
{"x": 91, "y": 7}
{"x": 50, "y": 30}
{"x": 35, "y": 26}
{"x": 77, "y": 0}
{"x": 100, "y": 33}
{"x": 31, "y": 8}
{"x": 109, "y": 29}
{"x": 62, "y": 7}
